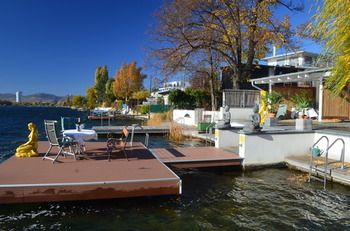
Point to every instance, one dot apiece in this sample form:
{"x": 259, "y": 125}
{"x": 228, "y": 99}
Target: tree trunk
{"x": 212, "y": 93}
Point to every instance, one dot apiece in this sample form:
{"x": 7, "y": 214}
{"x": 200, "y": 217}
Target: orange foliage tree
{"x": 128, "y": 80}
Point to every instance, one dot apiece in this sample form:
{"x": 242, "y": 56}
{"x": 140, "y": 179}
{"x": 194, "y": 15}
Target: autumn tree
{"x": 331, "y": 26}
{"x": 91, "y": 98}
{"x": 128, "y": 80}
{"x": 212, "y": 33}
{"x": 101, "y": 78}
{"x": 109, "y": 92}
{"x": 78, "y": 101}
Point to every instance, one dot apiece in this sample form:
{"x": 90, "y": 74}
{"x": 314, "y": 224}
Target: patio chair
{"x": 61, "y": 143}
{"x": 118, "y": 143}
{"x": 281, "y": 112}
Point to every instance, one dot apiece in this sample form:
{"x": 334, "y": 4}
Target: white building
{"x": 302, "y": 59}
{"x": 164, "y": 91}
{"x": 173, "y": 85}
{"x": 18, "y": 97}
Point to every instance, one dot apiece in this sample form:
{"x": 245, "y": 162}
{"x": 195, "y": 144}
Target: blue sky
{"x": 54, "y": 46}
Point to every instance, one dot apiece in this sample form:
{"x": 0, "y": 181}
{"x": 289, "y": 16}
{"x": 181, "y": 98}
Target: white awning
{"x": 301, "y": 76}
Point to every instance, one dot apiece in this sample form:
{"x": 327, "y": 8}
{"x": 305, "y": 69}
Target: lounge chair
{"x": 61, "y": 143}
{"x": 118, "y": 144}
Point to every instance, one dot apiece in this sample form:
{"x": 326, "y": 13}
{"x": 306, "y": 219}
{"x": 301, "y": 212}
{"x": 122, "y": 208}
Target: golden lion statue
{"x": 29, "y": 149}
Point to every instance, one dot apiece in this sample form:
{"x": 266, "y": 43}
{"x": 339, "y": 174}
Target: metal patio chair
{"x": 60, "y": 142}
{"x": 118, "y": 143}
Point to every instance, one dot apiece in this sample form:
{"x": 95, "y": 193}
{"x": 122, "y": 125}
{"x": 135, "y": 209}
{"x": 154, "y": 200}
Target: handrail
{"x": 326, "y": 162}
{"x": 342, "y": 156}
{"x": 211, "y": 125}
{"x": 325, "y": 170}
{"x": 320, "y": 140}
{"x": 133, "y": 132}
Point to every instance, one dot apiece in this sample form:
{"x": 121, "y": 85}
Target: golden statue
{"x": 29, "y": 149}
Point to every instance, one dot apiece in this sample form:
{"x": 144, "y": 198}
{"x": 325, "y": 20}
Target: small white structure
{"x": 274, "y": 146}
{"x": 192, "y": 117}
{"x": 18, "y": 97}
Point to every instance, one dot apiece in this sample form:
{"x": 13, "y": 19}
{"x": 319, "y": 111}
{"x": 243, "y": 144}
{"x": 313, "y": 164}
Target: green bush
{"x": 273, "y": 99}
{"x": 189, "y": 99}
{"x": 143, "y": 109}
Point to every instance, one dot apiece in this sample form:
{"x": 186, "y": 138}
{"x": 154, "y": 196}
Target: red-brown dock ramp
{"x": 93, "y": 177}
{"x": 197, "y": 157}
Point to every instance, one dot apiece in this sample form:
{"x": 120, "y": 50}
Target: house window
{"x": 308, "y": 61}
{"x": 294, "y": 62}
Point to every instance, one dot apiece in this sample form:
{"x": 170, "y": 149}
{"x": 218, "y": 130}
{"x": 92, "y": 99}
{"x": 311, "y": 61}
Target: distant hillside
{"x": 7, "y": 96}
{"x": 39, "y": 97}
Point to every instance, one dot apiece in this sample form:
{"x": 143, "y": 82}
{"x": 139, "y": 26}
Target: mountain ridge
{"x": 36, "y": 97}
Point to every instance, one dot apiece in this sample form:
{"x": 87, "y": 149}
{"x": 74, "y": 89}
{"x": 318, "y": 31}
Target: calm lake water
{"x": 220, "y": 199}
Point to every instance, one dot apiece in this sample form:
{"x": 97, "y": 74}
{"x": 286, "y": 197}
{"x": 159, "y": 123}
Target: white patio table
{"x": 80, "y": 136}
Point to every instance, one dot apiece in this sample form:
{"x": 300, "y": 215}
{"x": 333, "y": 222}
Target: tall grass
{"x": 155, "y": 120}
{"x": 158, "y": 118}
{"x": 175, "y": 132}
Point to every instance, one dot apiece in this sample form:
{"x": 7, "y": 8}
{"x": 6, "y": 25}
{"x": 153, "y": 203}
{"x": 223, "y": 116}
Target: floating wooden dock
{"x": 145, "y": 173}
{"x": 197, "y": 157}
{"x": 94, "y": 177}
{"x": 138, "y": 130}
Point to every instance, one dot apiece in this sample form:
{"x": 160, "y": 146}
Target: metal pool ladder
{"x": 209, "y": 133}
{"x": 327, "y": 171}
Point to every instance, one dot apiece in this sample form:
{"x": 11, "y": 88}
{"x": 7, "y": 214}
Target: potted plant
{"x": 272, "y": 100}
{"x": 301, "y": 102}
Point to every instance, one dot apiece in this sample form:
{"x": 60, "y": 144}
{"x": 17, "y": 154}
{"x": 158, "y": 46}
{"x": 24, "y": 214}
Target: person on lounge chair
{"x": 30, "y": 148}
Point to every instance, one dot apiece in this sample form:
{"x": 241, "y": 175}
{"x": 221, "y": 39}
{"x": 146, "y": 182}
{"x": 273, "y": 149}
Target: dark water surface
{"x": 226, "y": 199}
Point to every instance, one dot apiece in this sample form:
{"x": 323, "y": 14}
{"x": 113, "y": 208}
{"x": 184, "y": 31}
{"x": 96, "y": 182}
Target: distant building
{"x": 164, "y": 91}
{"x": 18, "y": 97}
{"x": 300, "y": 59}
{"x": 275, "y": 65}
{"x": 259, "y": 71}
{"x": 173, "y": 85}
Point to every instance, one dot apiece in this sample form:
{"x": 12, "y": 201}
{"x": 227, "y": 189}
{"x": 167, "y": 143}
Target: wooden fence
{"x": 288, "y": 91}
{"x": 335, "y": 106}
{"x": 240, "y": 98}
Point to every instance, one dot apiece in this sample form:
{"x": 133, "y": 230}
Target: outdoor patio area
{"x": 91, "y": 176}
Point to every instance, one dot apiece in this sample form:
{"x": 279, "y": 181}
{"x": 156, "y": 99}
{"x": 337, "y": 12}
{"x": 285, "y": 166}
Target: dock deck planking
{"x": 93, "y": 177}
{"x": 197, "y": 157}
